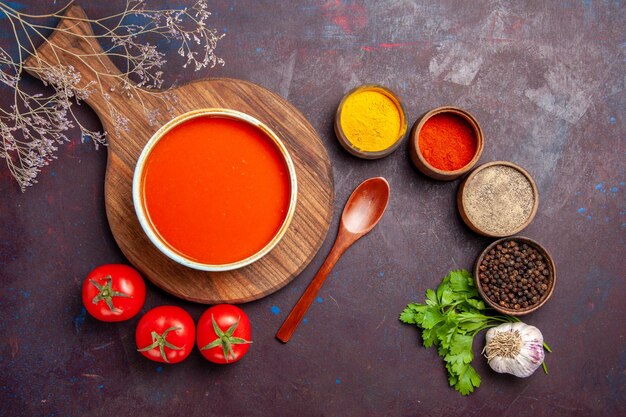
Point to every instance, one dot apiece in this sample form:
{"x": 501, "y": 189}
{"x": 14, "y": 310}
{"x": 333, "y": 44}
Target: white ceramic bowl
{"x": 140, "y": 208}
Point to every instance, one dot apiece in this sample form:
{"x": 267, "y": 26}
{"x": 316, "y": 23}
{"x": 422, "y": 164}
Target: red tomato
{"x": 165, "y": 334}
{"x": 114, "y": 292}
{"x": 224, "y": 334}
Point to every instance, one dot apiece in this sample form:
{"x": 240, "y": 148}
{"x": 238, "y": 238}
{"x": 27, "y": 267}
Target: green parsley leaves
{"x": 449, "y": 320}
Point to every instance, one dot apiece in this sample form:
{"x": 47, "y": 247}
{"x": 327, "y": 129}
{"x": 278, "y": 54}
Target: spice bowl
{"x": 519, "y": 275}
{"x": 498, "y": 199}
{"x": 465, "y": 123}
{"x": 370, "y": 121}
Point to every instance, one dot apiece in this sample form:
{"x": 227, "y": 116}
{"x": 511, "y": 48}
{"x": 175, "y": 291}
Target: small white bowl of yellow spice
{"x": 370, "y": 121}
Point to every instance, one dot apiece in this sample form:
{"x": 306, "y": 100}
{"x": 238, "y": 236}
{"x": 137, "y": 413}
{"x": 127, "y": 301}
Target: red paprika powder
{"x": 447, "y": 141}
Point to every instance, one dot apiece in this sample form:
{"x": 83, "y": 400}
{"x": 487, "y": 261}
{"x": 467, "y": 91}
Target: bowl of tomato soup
{"x": 214, "y": 189}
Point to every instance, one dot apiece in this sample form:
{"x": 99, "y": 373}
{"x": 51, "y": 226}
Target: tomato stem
{"x": 107, "y": 293}
{"x": 225, "y": 339}
{"x": 161, "y": 342}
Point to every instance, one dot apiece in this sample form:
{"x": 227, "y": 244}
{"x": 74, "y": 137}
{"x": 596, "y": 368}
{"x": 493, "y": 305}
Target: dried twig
{"x": 34, "y": 124}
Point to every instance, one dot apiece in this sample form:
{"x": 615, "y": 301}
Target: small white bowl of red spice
{"x": 446, "y": 143}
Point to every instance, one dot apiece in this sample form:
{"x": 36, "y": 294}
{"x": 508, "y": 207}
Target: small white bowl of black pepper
{"x": 515, "y": 275}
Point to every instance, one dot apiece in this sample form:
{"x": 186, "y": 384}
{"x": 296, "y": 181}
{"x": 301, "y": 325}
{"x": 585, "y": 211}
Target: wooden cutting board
{"x": 68, "y": 46}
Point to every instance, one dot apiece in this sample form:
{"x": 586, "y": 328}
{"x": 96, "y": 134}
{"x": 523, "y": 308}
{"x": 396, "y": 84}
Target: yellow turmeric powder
{"x": 372, "y": 120}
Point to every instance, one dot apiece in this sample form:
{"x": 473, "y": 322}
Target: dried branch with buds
{"x": 34, "y": 125}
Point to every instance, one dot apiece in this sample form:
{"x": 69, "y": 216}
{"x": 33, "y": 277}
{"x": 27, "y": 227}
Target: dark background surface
{"x": 546, "y": 81}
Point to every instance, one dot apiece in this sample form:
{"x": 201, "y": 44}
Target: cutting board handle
{"x": 73, "y": 43}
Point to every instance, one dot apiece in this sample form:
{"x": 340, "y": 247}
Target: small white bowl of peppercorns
{"x": 515, "y": 275}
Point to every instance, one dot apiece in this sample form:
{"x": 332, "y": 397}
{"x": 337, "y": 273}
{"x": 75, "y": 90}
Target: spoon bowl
{"x": 362, "y": 212}
{"x": 366, "y": 205}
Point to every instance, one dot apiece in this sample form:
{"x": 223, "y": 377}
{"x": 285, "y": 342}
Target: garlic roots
{"x": 514, "y": 348}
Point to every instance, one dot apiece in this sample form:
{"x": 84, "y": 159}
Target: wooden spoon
{"x": 364, "y": 209}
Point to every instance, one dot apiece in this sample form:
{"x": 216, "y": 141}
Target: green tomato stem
{"x": 225, "y": 339}
{"x": 161, "y": 342}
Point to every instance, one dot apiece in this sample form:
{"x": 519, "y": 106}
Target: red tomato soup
{"x": 216, "y": 189}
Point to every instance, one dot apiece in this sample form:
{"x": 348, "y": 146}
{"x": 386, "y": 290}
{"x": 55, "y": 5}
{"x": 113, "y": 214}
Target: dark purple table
{"x": 546, "y": 81}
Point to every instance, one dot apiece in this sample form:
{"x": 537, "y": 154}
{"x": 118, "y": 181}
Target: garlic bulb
{"x": 514, "y": 348}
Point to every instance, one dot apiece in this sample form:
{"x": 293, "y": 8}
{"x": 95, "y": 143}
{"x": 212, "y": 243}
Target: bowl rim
{"x": 426, "y": 168}
{"x": 343, "y": 139}
{"x": 541, "y": 249}
{"x": 461, "y": 199}
{"x": 141, "y": 212}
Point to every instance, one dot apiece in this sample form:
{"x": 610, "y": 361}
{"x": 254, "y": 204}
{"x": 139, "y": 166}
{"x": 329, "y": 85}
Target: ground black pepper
{"x": 514, "y": 275}
{"x": 499, "y": 199}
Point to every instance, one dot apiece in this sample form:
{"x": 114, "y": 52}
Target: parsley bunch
{"x": 449, "y": 320}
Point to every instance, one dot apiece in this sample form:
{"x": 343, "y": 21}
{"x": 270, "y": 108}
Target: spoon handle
{"x": 299, "y": 310}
